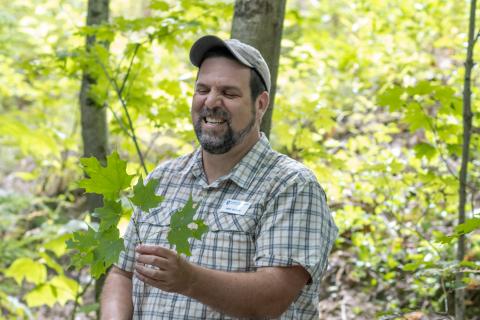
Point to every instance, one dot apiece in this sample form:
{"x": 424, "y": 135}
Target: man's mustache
{"x": 215, "y": 112}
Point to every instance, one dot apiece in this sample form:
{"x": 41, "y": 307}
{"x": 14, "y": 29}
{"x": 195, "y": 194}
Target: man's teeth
{"x": 213, "y": 120}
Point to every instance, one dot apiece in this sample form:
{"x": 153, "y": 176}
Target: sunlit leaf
{"x": 44, "y": 294}
{"x": 109, "y": 180}
{"x": 58, "y": 245}
{"x": 425, "y": 149}
{"x": 66, "y": 289}
{"x": 391, "y": 97}
{"x": 26, "y": 268}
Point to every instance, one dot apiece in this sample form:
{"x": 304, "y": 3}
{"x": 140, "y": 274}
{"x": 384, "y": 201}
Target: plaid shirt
{"x": 287, "y": 223}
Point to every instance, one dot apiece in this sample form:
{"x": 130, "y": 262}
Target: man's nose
{"x": 213, "y": 99}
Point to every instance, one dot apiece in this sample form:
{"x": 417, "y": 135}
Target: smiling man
{"x": 270, "y": 230}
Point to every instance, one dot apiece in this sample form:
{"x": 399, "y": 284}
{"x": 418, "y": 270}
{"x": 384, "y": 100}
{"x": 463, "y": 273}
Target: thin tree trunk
{"x": 260, "y": 24}
{"x": 467, "y": 131}
{"x": 93, "y": 113}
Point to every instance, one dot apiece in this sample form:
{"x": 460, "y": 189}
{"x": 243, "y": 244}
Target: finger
{"x": 147, "y": 280}
{"x": 157, "y": 261}
{"x": 152, "y": 274}
{"x": 155, "y": 250}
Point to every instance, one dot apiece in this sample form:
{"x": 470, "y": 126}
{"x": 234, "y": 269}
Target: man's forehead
{"x": 223, "y": 62}
{"x": 229, "y": 71}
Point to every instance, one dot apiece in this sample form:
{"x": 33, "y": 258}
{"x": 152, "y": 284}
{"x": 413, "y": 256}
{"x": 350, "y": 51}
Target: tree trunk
{"x": 260, "y": 24}
{"x": 93, "y": 113}
{"x": 467, "y": 131}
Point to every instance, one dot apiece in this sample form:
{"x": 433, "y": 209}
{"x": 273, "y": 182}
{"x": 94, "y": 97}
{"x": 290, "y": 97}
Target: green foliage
{"x": 183, "y": 227}
{"x": 144, "y": 196}
{"x": 59, "y": 289}
{"x": 109, "y": 215}
{"x": 32, "y": 271}
{"x": 100, "y": 247}
{"x": 31, "y": 255}
{"x": 369, "y": 97}
{"x": 108, "y": 181}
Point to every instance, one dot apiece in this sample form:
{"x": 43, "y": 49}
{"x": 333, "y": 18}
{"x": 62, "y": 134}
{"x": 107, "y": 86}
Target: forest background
{"x": 369, "y": 96}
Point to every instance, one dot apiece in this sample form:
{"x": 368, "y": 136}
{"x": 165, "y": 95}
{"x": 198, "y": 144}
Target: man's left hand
{"x": 172, "y": 273}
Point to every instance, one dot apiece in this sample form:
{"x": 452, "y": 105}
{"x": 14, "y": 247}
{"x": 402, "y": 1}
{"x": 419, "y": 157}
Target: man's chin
{"x": 214, "y": 145}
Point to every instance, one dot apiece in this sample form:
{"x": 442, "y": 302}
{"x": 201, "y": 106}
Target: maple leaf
{"x": 109, "y": 214}
{"x": 107, "y": 181}
{"x": 144, "y": 195}
{"x": 99, "y": 249}
{"x": 83, "y": 242}
{"x": 107, "y": 251}
{"x": 183, "y": 227}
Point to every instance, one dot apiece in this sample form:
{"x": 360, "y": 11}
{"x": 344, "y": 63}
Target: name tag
{"x": 235, "y": 206}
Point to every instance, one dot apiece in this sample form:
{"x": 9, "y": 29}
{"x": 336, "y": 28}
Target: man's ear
{"x": 262, "y": 104}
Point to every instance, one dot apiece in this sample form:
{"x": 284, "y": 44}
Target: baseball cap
{"x": 244, "y": 53}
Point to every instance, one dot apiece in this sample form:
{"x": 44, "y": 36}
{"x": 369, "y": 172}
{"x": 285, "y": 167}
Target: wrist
{"x": 193, "y": 279}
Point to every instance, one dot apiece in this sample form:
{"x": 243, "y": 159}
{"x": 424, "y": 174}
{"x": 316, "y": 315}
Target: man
{"x": 270, "y": 230}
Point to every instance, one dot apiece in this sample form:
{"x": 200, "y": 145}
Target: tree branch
{"x": 77, "y": 296}
{"x": 125, "y": 109}
{"x": 462, "y": 190}
{"x": 476, "y": 38}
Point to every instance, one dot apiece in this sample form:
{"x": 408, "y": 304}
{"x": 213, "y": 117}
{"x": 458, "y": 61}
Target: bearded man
{"x": 270, "y": 230}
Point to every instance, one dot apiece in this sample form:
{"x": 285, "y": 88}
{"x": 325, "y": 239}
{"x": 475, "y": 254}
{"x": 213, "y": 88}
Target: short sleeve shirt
{"x": 268, "y": 211}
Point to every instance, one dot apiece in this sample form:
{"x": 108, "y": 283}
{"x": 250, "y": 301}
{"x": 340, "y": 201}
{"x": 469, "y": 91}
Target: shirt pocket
{"x": 229, "y": 245}
{"x": 240, "y": 223}
{"x": 155, "y": 225}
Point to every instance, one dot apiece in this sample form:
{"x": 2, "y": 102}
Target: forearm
{"x": 265, "y": 293}
{"x": 253, "y": 295}
{"x": 116, "y": 300}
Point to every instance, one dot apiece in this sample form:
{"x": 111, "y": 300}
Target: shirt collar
{"x": 244, "y": 171}
{"x": 197, "y": 164}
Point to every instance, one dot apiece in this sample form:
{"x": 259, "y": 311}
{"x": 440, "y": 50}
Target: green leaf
{"x": 470, "y": 264}
{"x": 415, "y": 117}
{"x": 144, "y": 195}
{"x": 98, "y": 249}
{"x": 183, "y": 227}
{"x": 442, "y": 238}
{"x": 66, "y": 289}
{"x": 411, "y": 266}
{"x": 423, "y": 87}
{"x": 51, "y": 263}
{"x": 109, "y": 214}
{"x": 107, "y": 252}
{"x": 45, "y": 294}
{"x": 84, "y": 242}
{"x": 391, "y": 98}
{"x": 108, "y": 181}
{"x": 425, "y": 149}
{"x": 57, "y": 245}
{"x": 468, "y": 226}
{"x": 26, "y": 268}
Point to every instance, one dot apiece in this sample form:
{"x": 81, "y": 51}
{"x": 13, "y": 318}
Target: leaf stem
{"x": 77, "y": 296}
{"x": 135, "y": 222}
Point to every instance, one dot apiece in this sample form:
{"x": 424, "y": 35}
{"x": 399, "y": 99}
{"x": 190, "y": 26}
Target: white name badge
{"x": 235, "y": 206}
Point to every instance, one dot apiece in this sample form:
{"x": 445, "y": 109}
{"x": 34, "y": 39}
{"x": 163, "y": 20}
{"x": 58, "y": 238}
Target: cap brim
{"x": 205, "y": 43}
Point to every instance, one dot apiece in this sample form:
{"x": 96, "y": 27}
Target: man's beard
{"x": 221, "y": 143}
